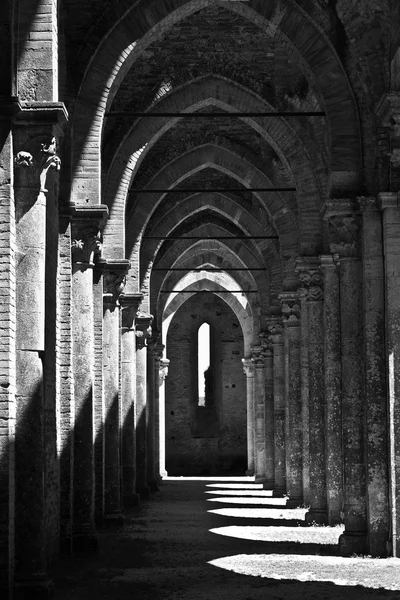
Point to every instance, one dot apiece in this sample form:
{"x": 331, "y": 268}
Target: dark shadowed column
{"x": 113, "y": 280}
{"x": 151, "y": 413}
{"x": 269, "y": 431}
{"x": 276, "y": 329}
{"x": 143, "y": 332}
{"x": 305, "y": 393}
{"x": 344, "y": 237}
{"x": 86, "y": 245}
{"x": 248, "y": 368}
{"x": 333, "y": 388}
{"x": 312, "y": 287}
{"x": 389, "y": 204}
{"x": 293, "y": 428}
{"x": 130, "y": 304}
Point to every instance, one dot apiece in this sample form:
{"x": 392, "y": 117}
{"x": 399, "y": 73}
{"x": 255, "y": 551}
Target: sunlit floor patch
{"x": 222, "y": 479}
{"x": 302, "y": 535}
{"x": 247, "y": 500}
{"x": 367, "y": 572}
{"x": 261, "y": 513}
{"x": 239, "y": 486}
{"x": 258, "y": 493}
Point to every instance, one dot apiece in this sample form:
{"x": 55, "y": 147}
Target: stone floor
{"x": 223, "y": 540}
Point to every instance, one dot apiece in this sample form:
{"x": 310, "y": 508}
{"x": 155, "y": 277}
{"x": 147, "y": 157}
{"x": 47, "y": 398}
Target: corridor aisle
{"x": 222, "y": 540}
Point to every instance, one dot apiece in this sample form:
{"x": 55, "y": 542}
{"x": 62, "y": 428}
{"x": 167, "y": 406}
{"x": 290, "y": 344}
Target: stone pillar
{"x": 259, "y": 413}
{"x": 293, "y": 428}
{"x": 312, "y": 281}
{"x": 276, "y": 330}
{"x": 163, "y": 365}
{"x": 305, "y": 417}
{"x": 35, "y": 160}
{"x": 151, "y": 413}
{"x": 333, "y": 388}
{"x": 248, "y": 368}
{"x": 375, "y": 378}
{"x": 269, "y": 431}
{"x": 157, "y": 360}
{"x": 344, "y": 229}
{"x": 390, "y": 206}
{"x": 130, "y": 304}
{"x": 143, "y": 332}
{"x": 86, "y": 245}
{"x": 113, "y": 282}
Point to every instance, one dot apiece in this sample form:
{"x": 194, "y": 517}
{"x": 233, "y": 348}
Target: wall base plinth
{"x": 84, "y": 540}
{"x": 144, "y": 492}
{"x": 130, "y": 500}
{"x": 113, "y": 520}
{"x": 353, "y": 542}
{"x": 294, "y": 502}
{"x": 268, "y": 484}
{"x": 316, "y": 516}
{"x": 279, "y": 492}
{"x": 153, "y": 485}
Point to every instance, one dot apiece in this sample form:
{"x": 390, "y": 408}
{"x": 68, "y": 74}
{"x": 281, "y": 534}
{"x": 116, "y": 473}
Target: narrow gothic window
{"x": 204, "y": 374}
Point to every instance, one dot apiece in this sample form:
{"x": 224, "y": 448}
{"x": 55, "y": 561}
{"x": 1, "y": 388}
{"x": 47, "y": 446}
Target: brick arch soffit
{"x": 117, "y": 53}
{"x": 248, "y": 321}
{"x": 310, "y": 177}
{"x": 213, "y": 157}
{"x": 220, "y": 204}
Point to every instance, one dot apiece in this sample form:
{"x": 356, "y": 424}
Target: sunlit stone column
{"x": 248, "y": 368}
{"x": 113, "y": 281}
{"x": 344, "y": 237}
{"x": 312, "y": 283}
{"x": 269, "y": 431}
{"x": 163, "y": 365}
{"x": 152, "y": 410}
{"x": 293, "y": 428}
{"x": 86, "y": 245}
{"x": 143, "y": 332}
{"x": 130, "y": 304}
{"x": 275, "y": 328}
{"x": 34, "y": 191}
{"x": 390, "y": 206}
{"x": 333, "y": 388}
{"x": 259, "y": 413}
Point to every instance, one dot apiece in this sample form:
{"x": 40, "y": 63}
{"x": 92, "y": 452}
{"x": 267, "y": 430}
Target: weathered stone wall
{"x": 226, "y": 452}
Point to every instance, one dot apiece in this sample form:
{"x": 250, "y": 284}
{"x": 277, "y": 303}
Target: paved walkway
{"x": 223, "y": 540}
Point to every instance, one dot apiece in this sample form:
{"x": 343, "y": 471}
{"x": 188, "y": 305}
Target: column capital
{"x": 329, "y": 261}
{"x": 131, "y": 301}
{"x": 388, "y": 200}
{"x": 39, "y": 111}
{"x": 275, "y": 328}
{"x": 266, "y": 343}
{"x": 39, "y": 158}
{"x": 311, "y": 278}
{"x": 87, "y": 223}
{"x": 248, "y": 367}
{"x": 388, "y": 111}
{"x": 257, "y": 356}
{"x": 367, "y": 204}
{"x": 344, "y": 226}
{"x": 290, "y": 308}
{"x": 143, "y": 329}
{"x": 114, "y": 278}
{"x": 163, "y": 372}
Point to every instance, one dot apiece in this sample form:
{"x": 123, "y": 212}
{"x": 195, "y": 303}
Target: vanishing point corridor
{"x": 223, "y": 538}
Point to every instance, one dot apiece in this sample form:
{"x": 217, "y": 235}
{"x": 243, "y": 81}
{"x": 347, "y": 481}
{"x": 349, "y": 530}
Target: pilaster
{"x": 152, "y": 409}
{"x": 293, "y": 409}
{"x": 389, "y": 203}
{"x": 269, "y": 430}
{"x": 257, "y": 358}
{"x": 344, "y": 224}
{"x": 163, "y": 373}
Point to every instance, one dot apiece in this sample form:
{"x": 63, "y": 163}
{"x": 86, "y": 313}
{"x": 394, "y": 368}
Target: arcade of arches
{"x": 170, "y": 163}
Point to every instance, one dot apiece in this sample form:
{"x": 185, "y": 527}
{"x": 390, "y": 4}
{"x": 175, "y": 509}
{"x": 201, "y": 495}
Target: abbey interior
{"x": 175, "y": 166}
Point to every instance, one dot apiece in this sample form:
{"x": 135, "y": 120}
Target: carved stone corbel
{"x": 344, "y": 227}
{"x": 248, "y": 367}
{"x": 51, "y": 161}
{"x": 163, "y": 370}
{"x": 88, "y": 246}
{"x": 290, "y": 302}
{"x": 143, "y": 329}
{"x": 311, "y": 278}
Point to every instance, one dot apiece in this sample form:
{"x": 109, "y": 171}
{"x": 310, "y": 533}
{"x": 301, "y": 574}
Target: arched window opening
{"x": 204, "y": 370}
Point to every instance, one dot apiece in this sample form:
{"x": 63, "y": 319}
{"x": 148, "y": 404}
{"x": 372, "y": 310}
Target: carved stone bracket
{"x": 367, "y": 204}
{"x": 130, "y": 304}
{"x": 329, "y": 261}
{"x": 87, "y": 247}
{"x": 311, "y": 278}
{"x": 248, "y": 367}
{"x": 87, "y": 224}
{"x": 114, "y": 278}
{"x": 23, "y": 159}
{"x": 290, "y": 308}
{"x": 257, "y": 356}
{"x": 266, "y": 343}
{"x": 48, "y": 159}
{"x": 388, "y": 112}
{"x": 143, "y": 329}
{"x": 344, "y": 227}
{"x": 163, "y": 372}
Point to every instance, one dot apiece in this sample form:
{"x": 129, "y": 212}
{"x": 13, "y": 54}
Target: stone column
{"x": 333, "y": 388}
{"x": 163, "y": 365}
{"x": 344, "y": 229}
{"x": 157, "y": 360}
{"x": 269, "y": 431}
{"x": 293, "y": 428}
{"x": 305, "y": 393}
{"x": 248, "y": 368}
{"x": 130, "y": 304}
{"x": 312, "y": 282}
{"x": 113, "y": 284}
{"x": 276, "y": 330}
{"x": 390, "y": 206}
{"x": 151, "y": 413}
{"x": 375, "y": 378}
{"x": 143, "y": 332}
{"x": 34, "y": 188}
{"x": 259, "y": 413}
{"x": 86, "y": 245}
